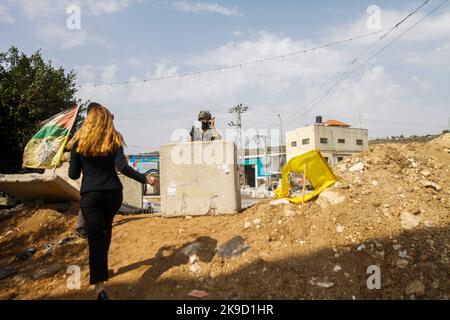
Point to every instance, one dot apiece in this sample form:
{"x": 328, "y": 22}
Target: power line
{"x": 348, "y": 73}
{"x": 234, "y": 66}
{"x": 319, "y": 98}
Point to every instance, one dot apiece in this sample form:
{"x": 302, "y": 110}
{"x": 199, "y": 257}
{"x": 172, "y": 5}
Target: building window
{"x": 340, "y": 159}
{"x": 294, "y": 144}
{"x": 360, "y": 142}
{"x": 324, "y": 140}
{"x": 305, "y": 141}
{"x": 326, "y": 159}
{"x": 341, "y": 140}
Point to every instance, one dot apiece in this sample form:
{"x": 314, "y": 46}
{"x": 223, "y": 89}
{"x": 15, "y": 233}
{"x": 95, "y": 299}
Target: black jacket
{"x": 99, "y": 173}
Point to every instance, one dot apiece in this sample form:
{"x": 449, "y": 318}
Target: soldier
{"x": 208, "y": 131}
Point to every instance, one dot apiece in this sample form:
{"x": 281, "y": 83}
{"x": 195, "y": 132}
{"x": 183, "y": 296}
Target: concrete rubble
{"x": 31, "y": 187}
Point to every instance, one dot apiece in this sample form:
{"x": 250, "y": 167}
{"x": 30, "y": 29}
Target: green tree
{"x": 31, "y": 90}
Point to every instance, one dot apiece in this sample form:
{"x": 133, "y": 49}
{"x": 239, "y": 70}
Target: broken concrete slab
{"x": 33, "y": 186}
{"x": 63, "y": 172}
{"x": 133, "y": 192}
{"x": 199, "y": 178}
{"x": 233, "y": 248}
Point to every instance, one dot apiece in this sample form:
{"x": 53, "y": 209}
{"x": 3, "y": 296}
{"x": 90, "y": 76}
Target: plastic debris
{"x": 198, "y": 294}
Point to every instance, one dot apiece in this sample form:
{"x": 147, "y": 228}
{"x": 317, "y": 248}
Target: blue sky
{"x": 401, "y": 91}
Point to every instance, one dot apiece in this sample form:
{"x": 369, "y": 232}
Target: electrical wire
{"x": 234, "y": 66}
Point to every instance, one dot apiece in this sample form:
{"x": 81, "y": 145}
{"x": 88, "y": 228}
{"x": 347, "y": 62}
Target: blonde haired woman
{"x": 97, "y": 151}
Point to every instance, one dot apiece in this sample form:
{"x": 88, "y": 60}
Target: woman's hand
{"x": 151, "y": 180}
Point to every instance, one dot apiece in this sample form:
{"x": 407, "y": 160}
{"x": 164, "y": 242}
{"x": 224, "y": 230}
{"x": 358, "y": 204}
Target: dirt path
{"x": 391, "y": 217}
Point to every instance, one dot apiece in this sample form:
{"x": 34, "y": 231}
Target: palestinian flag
{"x": 45, "y": 149}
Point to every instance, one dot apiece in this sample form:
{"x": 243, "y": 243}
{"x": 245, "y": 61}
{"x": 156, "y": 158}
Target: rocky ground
{"x": 390, "y": 209}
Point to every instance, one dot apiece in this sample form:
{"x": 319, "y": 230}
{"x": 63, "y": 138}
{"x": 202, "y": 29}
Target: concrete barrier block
{"x": 33, "y": 186}
{"x": 133, "y": 192}
{"x": 63, "y": 172}
{"x": 199, "y": 178}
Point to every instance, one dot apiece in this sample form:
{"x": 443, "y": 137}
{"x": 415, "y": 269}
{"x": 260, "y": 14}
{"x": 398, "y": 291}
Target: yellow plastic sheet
{"x": 318, "y": 172}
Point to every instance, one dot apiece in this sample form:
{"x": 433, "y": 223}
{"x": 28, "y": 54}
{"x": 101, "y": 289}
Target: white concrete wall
{"x": 297, "y": 136}
{"x": 133, "y": 192}
{"x": 333, "y": 150}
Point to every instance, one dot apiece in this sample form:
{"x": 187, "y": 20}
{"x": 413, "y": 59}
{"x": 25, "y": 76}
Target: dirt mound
{"x": 390, "y": 209}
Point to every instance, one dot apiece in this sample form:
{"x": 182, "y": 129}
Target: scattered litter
{"x": 396, "y": 247}
{"x": 247, "y": 225}
{"x": 198, "y": 294}
{"x": 403, "y": 254}
{"x": 232, "y": 248}
{"x": 25, "y": 255}
{"x": 339, "y": 228}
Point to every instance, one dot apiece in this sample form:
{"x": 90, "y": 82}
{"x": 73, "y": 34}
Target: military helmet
{"x": 204, "y": 116}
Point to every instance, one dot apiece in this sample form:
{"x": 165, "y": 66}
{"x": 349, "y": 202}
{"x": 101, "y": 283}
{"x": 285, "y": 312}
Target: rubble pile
{"x": 389, "y": 211}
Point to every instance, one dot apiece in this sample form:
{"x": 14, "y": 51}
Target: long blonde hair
{"x": 97, "y": 136}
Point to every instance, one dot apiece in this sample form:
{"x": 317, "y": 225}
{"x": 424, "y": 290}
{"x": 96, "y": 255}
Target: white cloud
{"x": 92, "y": 74}
{"x": 58, "y": 35}
{"x": 436, "y": 27}
{"x": 48, "y": 8}
{"x": 99, "y": 7}
{"x": 436, "y": 60}
{"x": 202, "y": 7}
{"x": 134, "y": 62}
{"x": 5, "y": 16}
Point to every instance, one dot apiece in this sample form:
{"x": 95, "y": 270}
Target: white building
{"x": 335, "y": 140}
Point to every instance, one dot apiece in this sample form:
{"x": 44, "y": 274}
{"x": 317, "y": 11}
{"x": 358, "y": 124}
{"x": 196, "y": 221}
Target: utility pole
{"x": 281, "y": 142}
{"x": 239, "y": 110}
